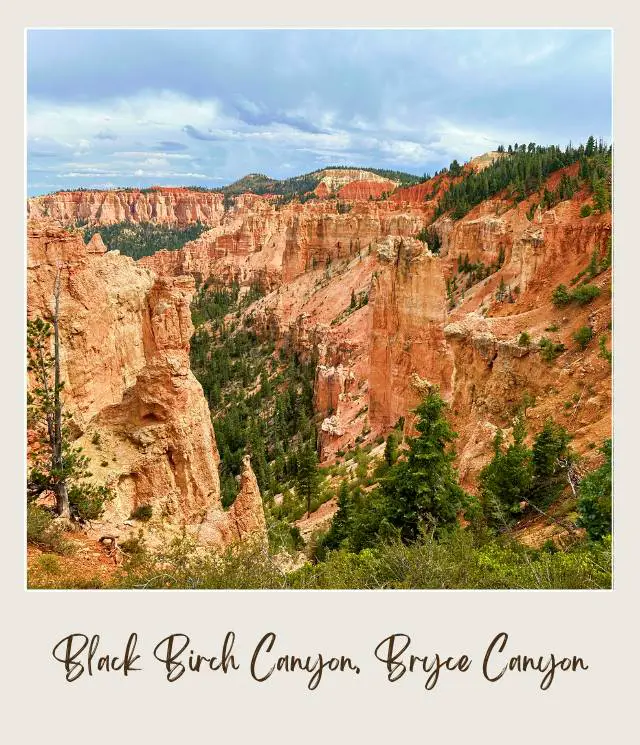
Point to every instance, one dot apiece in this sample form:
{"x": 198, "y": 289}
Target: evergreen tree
{"x": 594, "y": 505}
{"x": 339, "y": 530}
{"x": 391, "y": 449}
{"x": 600, "y": 196}
{"x": 56, "y": 466}
{"x": 307, "y": 477}
{"x": 423, "y": 490}
{"x": 551, "y": 457}
{"x": 507, "y": 479}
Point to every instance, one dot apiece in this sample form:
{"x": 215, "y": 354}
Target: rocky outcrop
{"x": 136, "y": 408}
{"x": 363, "y": 190}
{"x": 169, "y": 206}
{"x": 408, "y": 347}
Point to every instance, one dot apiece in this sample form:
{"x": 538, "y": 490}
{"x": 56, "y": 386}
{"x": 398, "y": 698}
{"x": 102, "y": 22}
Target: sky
{"x": 110, "y": 108}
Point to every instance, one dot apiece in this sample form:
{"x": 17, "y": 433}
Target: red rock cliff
{"x": 137, "y": 410}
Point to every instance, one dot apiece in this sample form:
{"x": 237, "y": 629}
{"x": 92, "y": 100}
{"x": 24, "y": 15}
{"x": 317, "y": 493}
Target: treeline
{"x": 523, "y": 170}
{"x": 143, "y": 239}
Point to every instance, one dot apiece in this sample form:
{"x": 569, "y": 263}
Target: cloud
{"x": 198, "y": 135}
{"x": 142, "y": 107}
{"x": 169, "y": 146}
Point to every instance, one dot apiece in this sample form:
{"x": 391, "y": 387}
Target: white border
{"x": 590, "y": 708}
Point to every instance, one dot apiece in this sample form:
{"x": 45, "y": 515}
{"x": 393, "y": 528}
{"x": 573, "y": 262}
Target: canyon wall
{"x": 347, "y": 282}
{"x": 408, "y": 350}
{"x": 136, "y": 408}
{"x": 168, "y": 206}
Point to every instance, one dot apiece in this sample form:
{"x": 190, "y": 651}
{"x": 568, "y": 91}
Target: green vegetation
{"x": 143, "y": 513}
{"x": 419, "y": 492}
{"x": 594, "y": 505}
{"x": 523, "y": 171}
{"x": 581, "y": 295}
{"x": 585, "y": 294}
{"x": 524, "y": 339}
{"x": 430, "y": 236}
{"x": 583, "y": 336}
{"x": 461, "y": 559}
{"x": 549, "y": 350}
{"x": 586, "y": 210}
{"x": 358, "y": 301}
{"x": 56, "y": 466}
{"x": 43, "y": 532}
{"x": 261, "y": 404}
{"x": 604, "y": 352}
{"x": 144, "y": 238}
{"x": 518, "y": 474}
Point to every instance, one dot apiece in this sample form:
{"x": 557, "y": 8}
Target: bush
{"x": 524, "y": 339}
{"x": 581, "y": 295}
{"x": 550, "y": 350}
{"x": 87, "y": 500}
{"x": 594, "y": 505}
{"x": 144, "y": 513}
{"x": 43, "y": 532}
{"x": 49, "y": 563}
{"x": 586, "y": 210}
{"x": 561, "y": 296}
{"x": 604, "y": 352}
{"x": 583, "y": 336}
{"x": 585, "y": 294}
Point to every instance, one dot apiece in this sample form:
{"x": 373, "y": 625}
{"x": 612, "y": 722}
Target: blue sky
{"x": 110, "y": 108}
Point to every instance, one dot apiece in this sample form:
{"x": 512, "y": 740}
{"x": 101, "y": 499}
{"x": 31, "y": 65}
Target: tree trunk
{"x": 62, "y": 500}
{"x": 62, "y": 495}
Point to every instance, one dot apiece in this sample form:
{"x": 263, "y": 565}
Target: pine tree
{"x": 507, "y": 479}
{"x": 55, "y": 466}
{"x": 551, "y": 457}
{"x": 594, "y": 505}
{"x": 339, "y": 530}
{"x": 307, "y": 477}
{"x": 423, "y": 490}
{"x": 391, "y": 449}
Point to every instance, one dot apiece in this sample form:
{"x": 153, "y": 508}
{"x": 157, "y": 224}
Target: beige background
{"x": 597, "y": 706}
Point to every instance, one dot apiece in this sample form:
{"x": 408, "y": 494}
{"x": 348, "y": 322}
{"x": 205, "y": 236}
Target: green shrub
{"x": 586, "y": 210}
{"x": 604, "y": 352}
{"x": 524, "y": 339}
{"x": 594, "y": 505}
{"x": 43, "y": 532}
{"x": 585, "y": 294}
{"x": 582, "y": 295}
{"x": 561, "y": 296}
{"x": 143, "y": 512}
{"x": 87, "y": 500}
{"x": 49, "y": 563}
{"x": 549, "y": 350}
{"x": 583, "y": 336}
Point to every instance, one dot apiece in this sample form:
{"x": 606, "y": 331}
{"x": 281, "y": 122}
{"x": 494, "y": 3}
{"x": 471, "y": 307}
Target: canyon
{"x": 345, "y": 281}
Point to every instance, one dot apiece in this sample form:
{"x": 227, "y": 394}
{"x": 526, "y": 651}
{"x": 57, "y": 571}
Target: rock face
{"x": 348, "y": 283}
{"x": 137, "y": 410}
{"x": 408, "y": 346}
{"x": 170, "y": 206}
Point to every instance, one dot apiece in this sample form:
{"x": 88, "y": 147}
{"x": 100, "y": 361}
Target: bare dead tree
{"x": 62, "y": 494}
